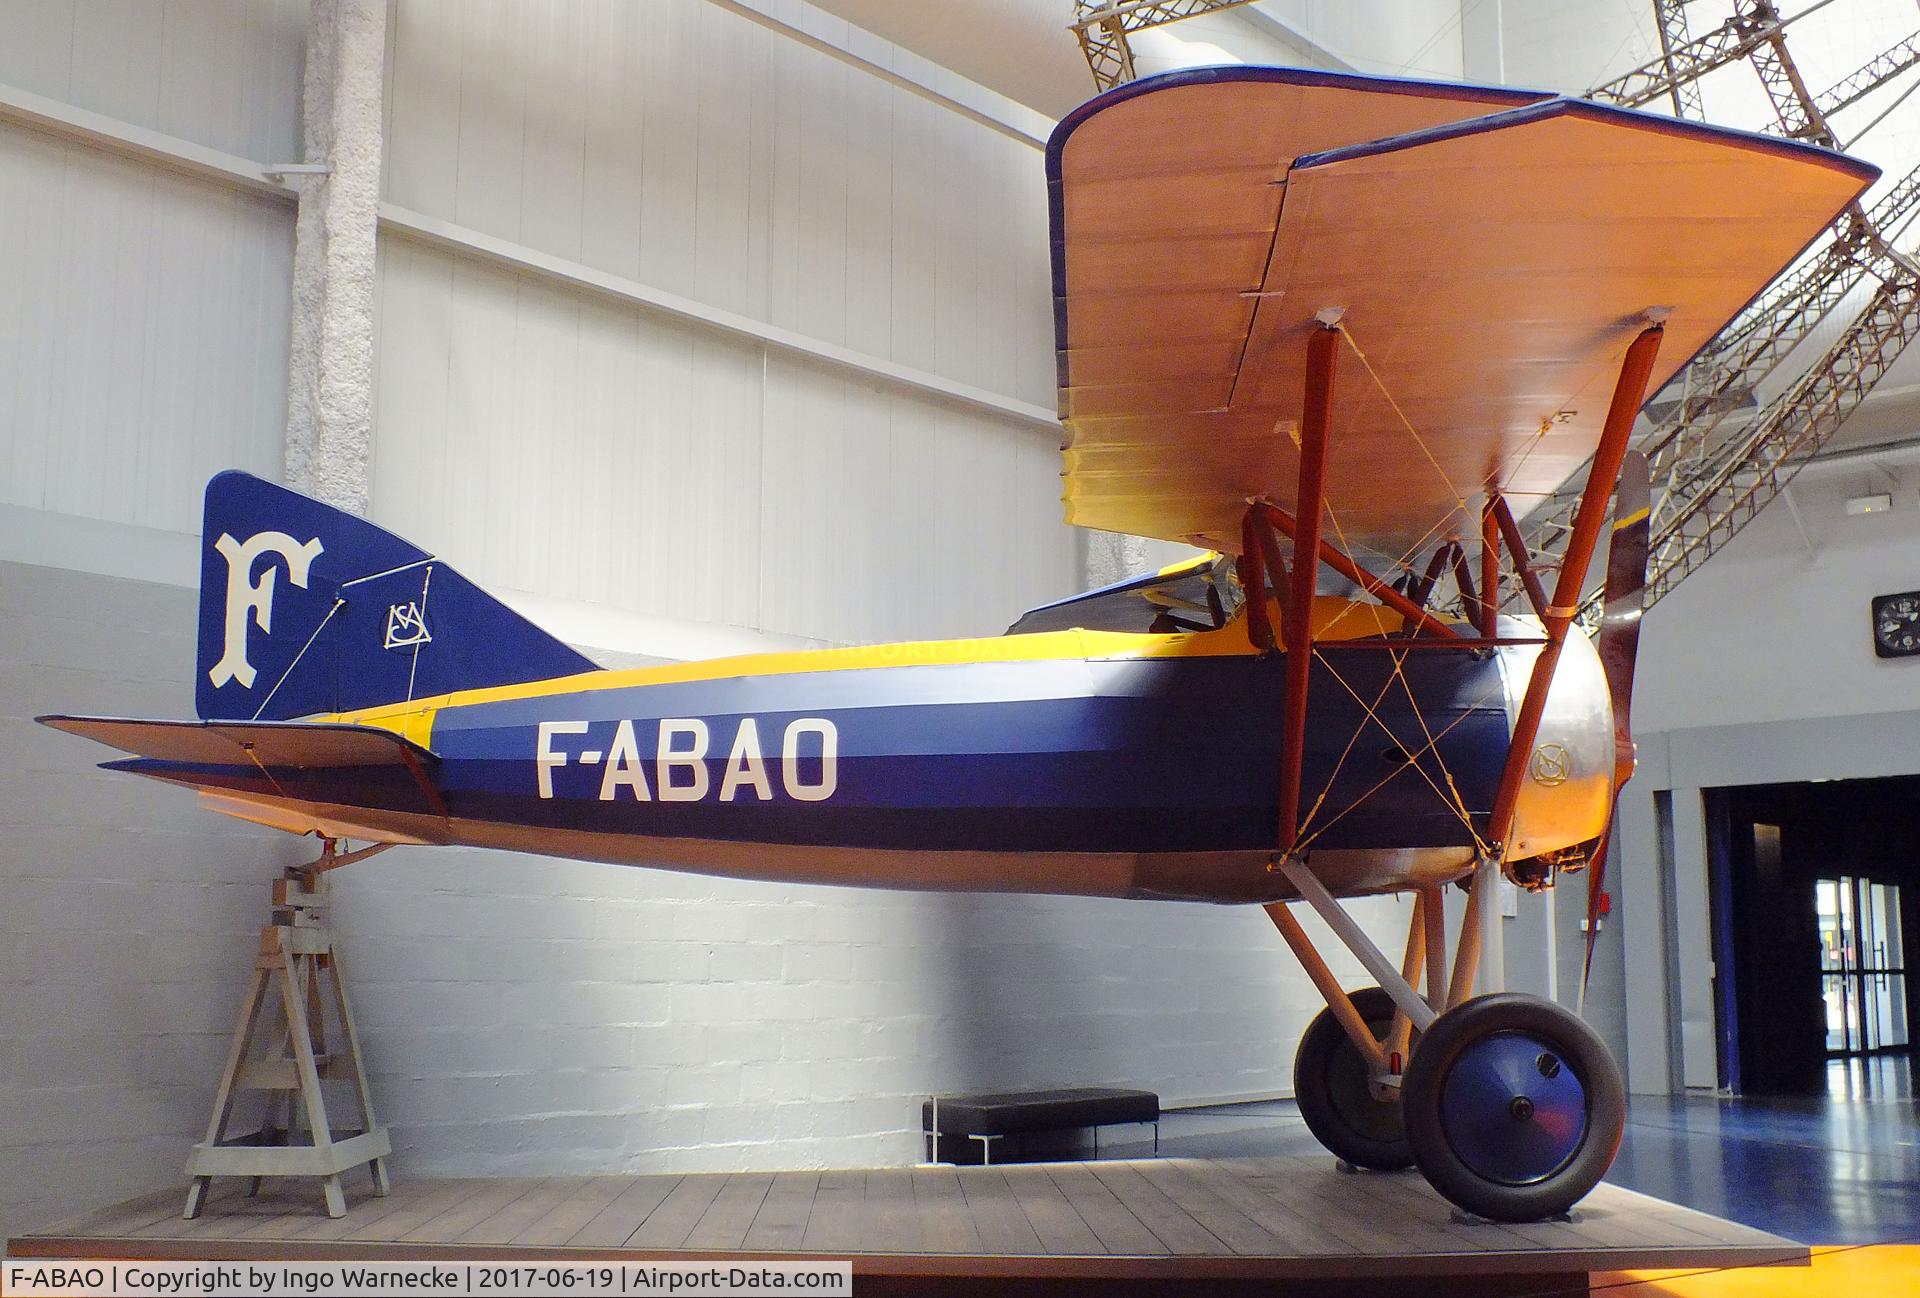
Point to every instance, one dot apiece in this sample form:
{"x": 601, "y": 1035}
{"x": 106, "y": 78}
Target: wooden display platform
{"x": 1296, "y": 1219}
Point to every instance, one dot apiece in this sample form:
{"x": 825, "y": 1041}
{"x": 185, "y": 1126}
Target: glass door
{"x": 1862, "y": 965}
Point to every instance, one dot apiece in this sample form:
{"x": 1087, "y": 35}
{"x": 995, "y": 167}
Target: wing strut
{"x": 1315, "y": 415}
{"x": 1425, "y": 951}
{"x": 1522, "y": 562}
{"x": 1628, "y": 393}
{"x": 1488, "y": 610}
{"x": 1283, "y": 522}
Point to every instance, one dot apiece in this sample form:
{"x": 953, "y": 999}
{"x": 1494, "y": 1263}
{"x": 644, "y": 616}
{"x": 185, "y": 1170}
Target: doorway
{"x": 1863, "y": 977}
{"x": 1813, "y": 889}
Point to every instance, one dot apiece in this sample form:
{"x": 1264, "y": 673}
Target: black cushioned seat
{"x": 1009, "y": 1112}
{"x": 969, "y": 1124}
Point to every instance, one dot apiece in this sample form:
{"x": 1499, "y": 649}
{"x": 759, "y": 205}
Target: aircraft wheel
{"x": 1331, "y": 1086}
{"x": 1513, "y": 1107}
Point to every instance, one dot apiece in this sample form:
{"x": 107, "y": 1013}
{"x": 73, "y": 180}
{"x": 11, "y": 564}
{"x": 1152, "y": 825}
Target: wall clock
{"x": 1896, "y": 624}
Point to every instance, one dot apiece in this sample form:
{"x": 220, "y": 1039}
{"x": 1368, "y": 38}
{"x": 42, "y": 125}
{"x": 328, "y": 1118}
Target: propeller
{"x": 1619, "y": 645}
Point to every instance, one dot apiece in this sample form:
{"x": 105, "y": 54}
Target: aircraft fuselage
{"x": 1066, "y": 762}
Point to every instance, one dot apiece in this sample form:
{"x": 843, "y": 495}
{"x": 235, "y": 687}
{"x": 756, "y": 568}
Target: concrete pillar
{"x": 1483, "y": 43}
{"x": 330, "y": 362}
{"x": 1690, "y": 940}
{"x": 1108, "y": 557}
{"x": 1646, "y": 993}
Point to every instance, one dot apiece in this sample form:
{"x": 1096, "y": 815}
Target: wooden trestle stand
{"x": 297, "y": 961}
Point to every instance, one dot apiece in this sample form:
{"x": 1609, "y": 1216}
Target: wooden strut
{"x": 1628, "y": 393}
{"x": 1323, "y": 349}
{"x": 1275, "y": 564}
{"x": 1489, "y": 611}
{"x": 1425, "y": 949}
{"x": 1329, "y": 987}
{"x": 1463, "y": 578}
{"x": 1522, "y": 561}
{"x": 1425, "y": 954}
{"x": 1400, "y": 1035}
{"x": 1466, "y": 953}
{"x": 1253, "y": 584}
{"x": 1343, "y": 564}
{"x": 1433, "y": 915}
{"x": 1442, "y": 560}
{"x": 1260, "y": 555}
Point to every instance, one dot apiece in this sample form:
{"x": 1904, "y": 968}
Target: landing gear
{"x": 1510, "y": 1106}
{"x": 1344, "y": 1108}
{"x": 1513, "y": 1107}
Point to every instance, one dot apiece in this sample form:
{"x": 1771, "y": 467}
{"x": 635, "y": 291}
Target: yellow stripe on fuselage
{"x": 1334, "y": 618}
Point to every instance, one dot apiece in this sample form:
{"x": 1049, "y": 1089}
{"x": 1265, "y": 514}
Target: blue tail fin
{"x": 305, "y": 609}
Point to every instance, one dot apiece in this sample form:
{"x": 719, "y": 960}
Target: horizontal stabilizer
{"x": 305, "y": 777}
{"x": 276, "y": 745}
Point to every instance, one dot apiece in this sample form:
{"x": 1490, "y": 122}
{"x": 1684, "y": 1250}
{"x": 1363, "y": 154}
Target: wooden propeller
{"x": 1619, "y": 646}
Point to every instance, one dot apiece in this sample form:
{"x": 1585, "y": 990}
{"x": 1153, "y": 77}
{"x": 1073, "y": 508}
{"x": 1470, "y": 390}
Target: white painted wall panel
{"x": 1573, "y": 45}
{"x": 1419, "y": 38}
{"x": 1775, "y": 627}
{"x": 565, "y": 445}
{"x": 222, "y": 74}
{"x": 143, "y": 333}
{"x": 707, "y": 155}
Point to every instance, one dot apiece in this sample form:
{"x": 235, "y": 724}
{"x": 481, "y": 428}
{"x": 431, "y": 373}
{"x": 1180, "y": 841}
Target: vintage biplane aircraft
{"x": 1328, "y": 705}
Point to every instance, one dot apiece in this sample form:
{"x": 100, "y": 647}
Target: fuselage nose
{"x": 1567, "y": 788}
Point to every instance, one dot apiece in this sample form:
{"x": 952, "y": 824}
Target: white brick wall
{"x": 531, "y": 1014}
{"x": 126, "y": 914}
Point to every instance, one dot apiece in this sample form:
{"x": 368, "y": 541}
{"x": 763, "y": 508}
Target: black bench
{"x": 986, "y": 1118}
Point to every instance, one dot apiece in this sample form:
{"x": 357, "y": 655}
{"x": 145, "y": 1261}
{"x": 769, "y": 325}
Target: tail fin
{"x": 305, "y": 609}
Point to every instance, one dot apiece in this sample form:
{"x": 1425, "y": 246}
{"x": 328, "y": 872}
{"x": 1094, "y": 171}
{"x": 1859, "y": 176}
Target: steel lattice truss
{"x": 1672, "y": 15}
{"x": 1720, "y": 448}
{"x": 1104, "y": 25}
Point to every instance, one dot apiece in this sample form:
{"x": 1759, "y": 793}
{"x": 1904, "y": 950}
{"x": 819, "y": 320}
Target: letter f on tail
{"x": 246, "y": 596}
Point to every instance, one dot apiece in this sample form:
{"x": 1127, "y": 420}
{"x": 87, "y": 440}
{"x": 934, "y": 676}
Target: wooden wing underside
{"x": 1491, "y": 254}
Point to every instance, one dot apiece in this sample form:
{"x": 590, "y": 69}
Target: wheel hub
{"x": 1514, "y": 1112}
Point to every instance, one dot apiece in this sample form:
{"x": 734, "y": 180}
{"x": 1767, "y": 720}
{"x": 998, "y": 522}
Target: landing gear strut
{"x": 1509, "y": 1105}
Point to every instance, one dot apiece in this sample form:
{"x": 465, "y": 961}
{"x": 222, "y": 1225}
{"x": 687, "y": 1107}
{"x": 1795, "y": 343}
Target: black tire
{"x": 1513, "y": 1107}
{"x": 1330, "y": 1085}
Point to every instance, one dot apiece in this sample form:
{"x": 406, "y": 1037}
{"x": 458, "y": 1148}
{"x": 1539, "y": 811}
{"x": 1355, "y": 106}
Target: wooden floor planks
{"x": 947, "y": 1224}
{"x": 1276, "y": 1216}
{"x": 781, "y": 1222}
{"x": 622, "y": 1216}
{"x": 725, "y": 1223}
